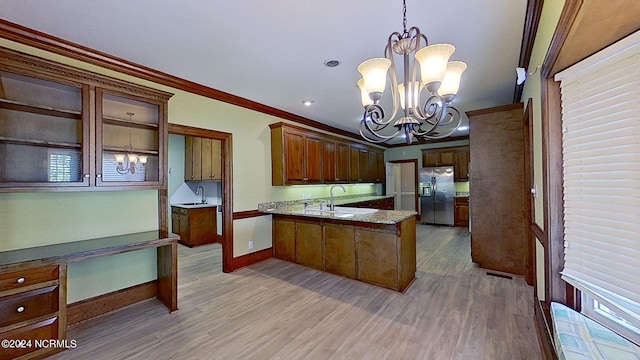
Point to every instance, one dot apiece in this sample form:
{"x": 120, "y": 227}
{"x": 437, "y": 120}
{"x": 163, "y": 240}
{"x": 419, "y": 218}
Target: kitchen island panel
{"x": 340, "y": 250}
{"x": 377, "y": 253}
{"x": 309, "y": 248}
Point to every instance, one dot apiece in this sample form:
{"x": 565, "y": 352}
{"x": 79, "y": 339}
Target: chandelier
{"x": 130, "y": 162}
{"x": 430, "y": 118}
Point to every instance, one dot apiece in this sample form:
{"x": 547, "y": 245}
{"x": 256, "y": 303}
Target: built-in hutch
{"x": 66, "y": 129}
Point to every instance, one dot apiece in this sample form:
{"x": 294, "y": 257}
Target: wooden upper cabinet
{"x": 458, "y": 156}
{"x": 463, "y": 157}
{"x": 301, "y": 156}
{"x": 48, "y": 128}
{"x": 342, "y": 162}
{"x": 203, "y": 159}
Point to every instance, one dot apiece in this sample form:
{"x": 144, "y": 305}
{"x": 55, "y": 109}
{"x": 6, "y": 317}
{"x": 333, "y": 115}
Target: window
{"x": 64, "y": 165}
{"x": 601, "y": 177}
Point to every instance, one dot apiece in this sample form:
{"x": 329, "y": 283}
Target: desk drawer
{"x": 43, "y": 330}
{"x": 28, "y": 305}
{"x": 22, "y": 278}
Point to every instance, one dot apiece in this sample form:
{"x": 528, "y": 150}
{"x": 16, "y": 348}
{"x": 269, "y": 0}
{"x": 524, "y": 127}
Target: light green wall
{"x": 532, "y": 89}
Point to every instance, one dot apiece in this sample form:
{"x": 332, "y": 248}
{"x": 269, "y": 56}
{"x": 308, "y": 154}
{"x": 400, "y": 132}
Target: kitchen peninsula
{"x": 374, "y": 246}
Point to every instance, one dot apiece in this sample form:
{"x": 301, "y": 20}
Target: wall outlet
{"x": 250, "y": 245}
{"x": 306, "y": 196}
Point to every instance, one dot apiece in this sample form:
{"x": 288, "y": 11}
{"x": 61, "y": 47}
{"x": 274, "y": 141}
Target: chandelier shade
{"x": 451, "y": 81}
{"x": 433, "y": 63}
{"x": 429, "y": 83}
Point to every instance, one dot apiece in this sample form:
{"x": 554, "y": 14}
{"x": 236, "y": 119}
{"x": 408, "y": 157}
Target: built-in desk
{"x": 33, "y": 284}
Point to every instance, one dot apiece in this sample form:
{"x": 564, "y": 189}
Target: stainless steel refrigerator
{"x": 436, "y": 195}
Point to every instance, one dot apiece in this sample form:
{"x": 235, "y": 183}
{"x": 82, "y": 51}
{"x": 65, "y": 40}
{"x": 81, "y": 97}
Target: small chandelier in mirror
{"x": 130, "y": 162}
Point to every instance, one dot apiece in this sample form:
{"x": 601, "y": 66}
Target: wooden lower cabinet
{"x": 196, "y": 226}
{"x": 284, "y": 239}
{"x": 340, "y": 250}
{"x": 309, "y": 245}
{"x": 461, "y": 211}
{"x": 379, "y": 254}
{"x": 32, "y": 301}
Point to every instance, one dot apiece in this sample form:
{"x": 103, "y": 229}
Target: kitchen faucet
{"x": 331, "y": 205}
{"x": 200, "y": 190}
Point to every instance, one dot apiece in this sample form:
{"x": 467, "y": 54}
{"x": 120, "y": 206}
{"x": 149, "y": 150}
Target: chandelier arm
{"x": 451, "y": 115}
{"x": 379, "y": 138}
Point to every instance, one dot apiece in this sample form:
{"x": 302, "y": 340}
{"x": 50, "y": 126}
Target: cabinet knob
{"x": 98, "y": 175}
{"x": 21, "y": 280}
{"x": 86, "y": 175}
{"x": 20, "y": 309}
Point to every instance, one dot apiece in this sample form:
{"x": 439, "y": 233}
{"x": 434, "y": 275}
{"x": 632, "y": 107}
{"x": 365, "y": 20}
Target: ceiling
{"x": 273, "y": 52}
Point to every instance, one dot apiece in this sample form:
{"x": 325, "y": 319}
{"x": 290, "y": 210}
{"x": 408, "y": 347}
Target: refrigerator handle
{"x": 433, "y": 186}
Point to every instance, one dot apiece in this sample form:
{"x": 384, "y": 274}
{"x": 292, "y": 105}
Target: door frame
{"x": 415, "y": 174}
{"x": 530, "y": 262}
{"x": 227, "y": 184}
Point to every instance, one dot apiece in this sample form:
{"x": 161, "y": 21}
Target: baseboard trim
{"x": 542, "y": 318}
{"x": 102, "y": 304}
{"x": 248, "y": 259}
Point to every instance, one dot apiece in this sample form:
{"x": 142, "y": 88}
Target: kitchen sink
{"x": 342, "y": 211}
{"x": 194, "y": 203}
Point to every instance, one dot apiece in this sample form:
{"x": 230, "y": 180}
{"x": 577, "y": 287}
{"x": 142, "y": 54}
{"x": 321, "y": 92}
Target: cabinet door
{"x": 354, "y": 164}
{"x": 376, "y": 263}
{"x": 216, "y": 159}
{"x": 284, "y": 239}
{"x": 44, "y": 132}
{"x": 462, "y": 165}
{"x": 376, "y": 166}
{"x": 342, "y": 162}
{"x": 447, "y": 157}
{"x": 340, "y": 250}
{"x": 430, "y": 158}
{"x": 364, "y": 166}
{"x": 129, "y": 140}
{"x": 294, "y": 145}
{"x": 309, "y": 245}
{"x": 205, "y": 150}
{"x": 329, "y": 161}
{"x": 193, "y": 158}
{"x": 313, "y": 160}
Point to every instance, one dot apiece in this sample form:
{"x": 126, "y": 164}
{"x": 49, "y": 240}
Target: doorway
{"x": 226, "y": 187}
{"x": 402, "y": 183}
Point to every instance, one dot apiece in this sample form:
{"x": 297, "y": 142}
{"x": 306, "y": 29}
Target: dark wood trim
{"x": 247, "y": 214}
{"x": 530, "y": 266}
{"x": 102, "y": 304}
{"x": 227, "y": 185}
{"x": 540, "y": 234}
{"x": 555, "y": 287}
{"x": 542, "y": 319}
{"x": 40, "y": 40}
{"x": 531, "y": 21}
{"x": 494, "y": 109}
{"x": 425, "y": 142}
{"x": 567, "y": 18}
{"x": 252, "y": 258}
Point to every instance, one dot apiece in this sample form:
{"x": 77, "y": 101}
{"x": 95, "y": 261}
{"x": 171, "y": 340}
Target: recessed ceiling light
{"x": 331, "y": 63}
{"x": 307, "y": 102}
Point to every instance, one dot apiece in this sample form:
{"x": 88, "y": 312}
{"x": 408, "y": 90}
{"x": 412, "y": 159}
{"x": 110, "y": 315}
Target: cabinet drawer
{"x": 28, "y": 305}
{"x": 43, "y": 330}
{"x": 22, "y": 278}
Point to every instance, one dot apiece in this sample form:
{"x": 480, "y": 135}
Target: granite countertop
{"x": 297, "y": 208}
{"x": 194, "y": 205}
{"x": 388, "y": 217}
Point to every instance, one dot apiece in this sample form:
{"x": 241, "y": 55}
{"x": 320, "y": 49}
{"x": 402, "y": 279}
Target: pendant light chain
{"x": 404, "y": 15}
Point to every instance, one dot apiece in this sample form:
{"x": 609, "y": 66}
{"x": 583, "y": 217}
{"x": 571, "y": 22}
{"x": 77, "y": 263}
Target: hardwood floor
{"x": 279, "y": 310}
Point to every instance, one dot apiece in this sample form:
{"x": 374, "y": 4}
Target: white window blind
{"x": 601, "y": 173}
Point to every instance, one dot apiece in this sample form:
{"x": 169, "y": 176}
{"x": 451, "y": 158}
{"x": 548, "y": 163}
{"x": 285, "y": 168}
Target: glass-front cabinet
{"x": 130, "y": 132}
{"x": 43, "y": 131}
{"x": 63, "y": 128}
